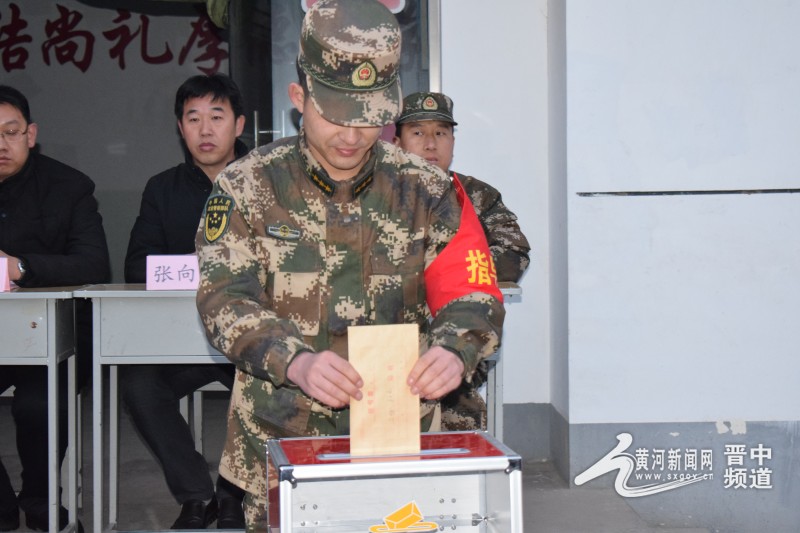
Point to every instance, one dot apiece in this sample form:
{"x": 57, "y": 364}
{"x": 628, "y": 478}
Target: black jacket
{"x": 172, "y": 204}
{"x": 49, "y": 218}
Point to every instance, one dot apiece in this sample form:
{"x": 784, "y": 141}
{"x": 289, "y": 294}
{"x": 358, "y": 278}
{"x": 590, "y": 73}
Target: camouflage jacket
{"x": 290, "y": 258}
{"x": 508, "y": 245}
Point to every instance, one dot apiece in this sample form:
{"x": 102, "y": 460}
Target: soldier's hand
{"x": 436, "y": 373}
{"x": 326, "y": 377}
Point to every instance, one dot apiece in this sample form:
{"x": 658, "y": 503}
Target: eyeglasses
{"x": 13, "y": 136}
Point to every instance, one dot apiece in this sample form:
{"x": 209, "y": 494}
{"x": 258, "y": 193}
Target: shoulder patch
{"x": 218, "y": 216}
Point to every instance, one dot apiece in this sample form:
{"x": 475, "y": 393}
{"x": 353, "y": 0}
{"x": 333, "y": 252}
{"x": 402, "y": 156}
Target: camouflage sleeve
{"x": 471, "y": 325}
{"x": 231, "y": 298}
{"x": 507, "y": 243}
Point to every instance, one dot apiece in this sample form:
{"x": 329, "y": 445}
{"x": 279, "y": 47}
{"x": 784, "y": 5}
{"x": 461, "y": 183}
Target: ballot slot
{"x": 422, "y": 453}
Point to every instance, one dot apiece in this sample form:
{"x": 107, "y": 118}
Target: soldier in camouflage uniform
{"x": 425, "y": 128}
{"x": 311, "y": 234}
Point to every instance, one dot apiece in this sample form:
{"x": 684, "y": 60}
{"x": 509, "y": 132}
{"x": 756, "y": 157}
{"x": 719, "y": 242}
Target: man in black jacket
{"x": 52, "y": 235}
{"x": 210, "y": 118}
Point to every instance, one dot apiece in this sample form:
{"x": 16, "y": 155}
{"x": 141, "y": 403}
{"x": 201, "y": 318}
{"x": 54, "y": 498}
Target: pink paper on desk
{"x": 5, "y": 285}
{"x": 172, "y": 272}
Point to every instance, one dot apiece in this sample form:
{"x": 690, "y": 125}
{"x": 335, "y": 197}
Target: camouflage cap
{"x": 350, "y": 52}
{"x": 427, "y": 106}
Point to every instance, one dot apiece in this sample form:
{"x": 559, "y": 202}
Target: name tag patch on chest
{"x": 218, "y": 216}
{"x": 284, "y": 232}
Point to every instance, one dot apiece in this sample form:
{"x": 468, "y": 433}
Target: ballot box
{"x": 460, "y": 481}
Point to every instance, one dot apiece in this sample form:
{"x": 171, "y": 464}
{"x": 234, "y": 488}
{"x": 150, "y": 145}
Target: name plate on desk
{"x": 172, "y": 272}
{"x": 5, "y": 285}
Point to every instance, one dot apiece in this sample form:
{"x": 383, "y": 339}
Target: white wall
{"x": 675, "y": 304}
{"x": 494, "y": 58}
{"x": 682, "y": 307}
{"x": 683, "y": 94}
{"x": 557, "y": 205}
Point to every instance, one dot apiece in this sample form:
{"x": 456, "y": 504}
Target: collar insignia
{"x": 323, "y": 183}
{"x": 362, "y": 184}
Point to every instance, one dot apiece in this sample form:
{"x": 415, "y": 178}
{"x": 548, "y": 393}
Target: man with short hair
{"x": 52, "y": 235}
{"x": 210, "y": 117}
{"x": 425, "y": 128}
{"x": 329, "y": 229}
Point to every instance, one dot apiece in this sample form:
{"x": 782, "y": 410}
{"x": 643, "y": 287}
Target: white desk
{"x": 135, "y": 326}
{"x": 37, "y": 327}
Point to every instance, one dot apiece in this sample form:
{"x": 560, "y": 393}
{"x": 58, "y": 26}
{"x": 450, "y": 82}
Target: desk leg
{"x": 491, "y": 387}
{"x": 72, "y": 442}
{"x": 494, "y": 396}
{"x": 53, "y": 465}
{"x": 113, "y": 439}
{"x": 113, "y": 445}
{"x": 97, "y": 424}
{"x": 498, "y": 397}
{"x": 52, "y": 430}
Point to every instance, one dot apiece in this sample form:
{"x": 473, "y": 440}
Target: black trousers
{"x": 29, "y": 410}
{"x": 151, "y": 394}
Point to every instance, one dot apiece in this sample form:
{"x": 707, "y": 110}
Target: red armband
{"x": 465, "y": 265}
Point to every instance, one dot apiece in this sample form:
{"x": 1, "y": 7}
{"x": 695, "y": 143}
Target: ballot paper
{"x": 386, "y": 420}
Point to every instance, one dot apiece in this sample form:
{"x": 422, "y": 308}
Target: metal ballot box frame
{"x": 466, "y": 481}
